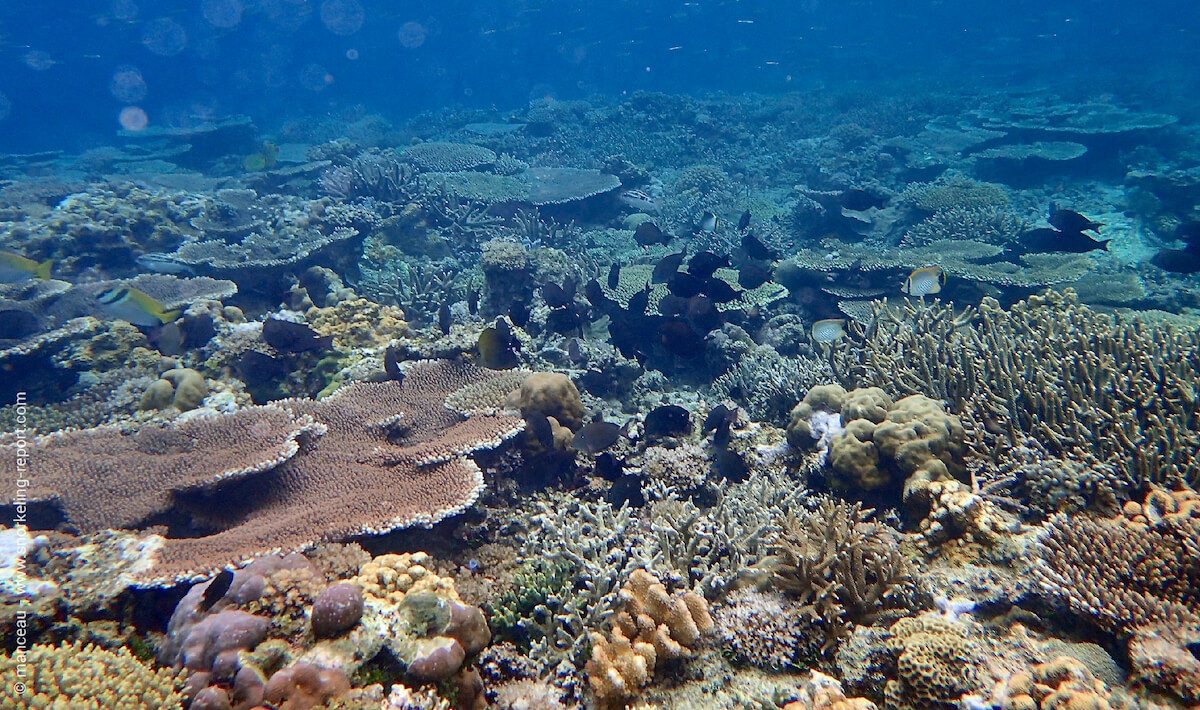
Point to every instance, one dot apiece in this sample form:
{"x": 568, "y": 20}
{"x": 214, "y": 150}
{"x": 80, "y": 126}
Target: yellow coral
{"x": 652, "y": 626}
{"x": 358, "y": 323}
{"x": 392, "y": 577}
{"x": 79, "y": 677}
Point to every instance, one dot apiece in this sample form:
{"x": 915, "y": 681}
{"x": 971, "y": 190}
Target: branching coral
{"x": 1078, "y": 381}
{"x": 844, "y": 567}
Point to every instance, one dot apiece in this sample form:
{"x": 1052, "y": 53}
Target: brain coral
{"x": 936, "y": 664}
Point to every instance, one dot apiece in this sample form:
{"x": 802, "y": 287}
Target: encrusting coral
{"x": 652, "y": 628}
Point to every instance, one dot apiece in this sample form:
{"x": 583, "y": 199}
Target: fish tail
{"x": 43, "y": 270}
{"x": 169, "y": 316}
{"x": 1104, "y": 244}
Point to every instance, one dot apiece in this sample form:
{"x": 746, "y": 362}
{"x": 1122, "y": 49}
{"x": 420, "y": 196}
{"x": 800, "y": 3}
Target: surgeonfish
{"x": 1069, "y": 221}
{"x": 829, "y": 330}
{"x": 135, "y": 307}
{"x": 15, "y": 268}
{"x": 924, "y": 282}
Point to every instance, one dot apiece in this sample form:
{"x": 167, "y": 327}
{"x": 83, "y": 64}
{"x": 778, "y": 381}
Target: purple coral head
{"x": 336, "y": 610}
{"x": 436, "y": 659}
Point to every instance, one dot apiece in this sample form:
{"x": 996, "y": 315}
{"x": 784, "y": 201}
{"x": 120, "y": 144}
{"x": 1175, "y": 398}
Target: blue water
{"x": 70, "y": 68}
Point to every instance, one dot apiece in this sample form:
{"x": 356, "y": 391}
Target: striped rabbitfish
{"x": 829, "y": 330}
{"x": 924, "y": 282}
{"x": 15, "y": 268}
{"x": 134, "y": 306}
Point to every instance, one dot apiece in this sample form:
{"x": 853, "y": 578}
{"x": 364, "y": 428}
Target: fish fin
{"x": 1104, "y": 244}
{"x": 43, "y": 270}
{"x": 169, "y": 316}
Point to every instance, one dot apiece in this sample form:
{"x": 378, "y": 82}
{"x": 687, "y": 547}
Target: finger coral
{"x": 653, "y": 627}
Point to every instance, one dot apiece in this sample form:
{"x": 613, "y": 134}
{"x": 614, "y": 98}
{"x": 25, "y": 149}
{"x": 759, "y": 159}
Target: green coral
{"x": 533, "y": 583}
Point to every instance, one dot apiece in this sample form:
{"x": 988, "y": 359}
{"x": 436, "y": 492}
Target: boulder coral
{"x": 552, "y": 394}
{"x": 882, "y": 442}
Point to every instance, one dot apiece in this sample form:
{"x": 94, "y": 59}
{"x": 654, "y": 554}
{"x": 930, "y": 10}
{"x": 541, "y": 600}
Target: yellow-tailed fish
{"x": 134, "y": 306}
{"x": 924, "y": 282}
{"x": 829, "y": 330}
{"x": 15, "y": 268}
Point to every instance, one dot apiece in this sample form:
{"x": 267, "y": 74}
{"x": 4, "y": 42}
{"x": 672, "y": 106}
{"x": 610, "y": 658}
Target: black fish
{"x": 518, "y": 313}
{"x": 473, "y": 302}
{"x": 755, "y": 249}
{"x": 626, "y": 338}
{"x": 1177, "y": 261}
{"x": 539, "y": 426}
{"x": 857, "y": 200}
{"x": 701, "y": 313}
{"x": 1068, "y": 221}
{"x": 289, "y": 337}
{"x": 677, "y": 336}
{"x": 685, "y": 285}
{"x": 261, "y": 367}
{"x": 444, "y": 319}
{"x": 595, "y": 296}
{"x": 744, "y": 222}
{"x": 719, "y": 291}
{"x": 614, "y": 275}
{"x": 198, "y": 329}
{"x": 666, "y": 267}
{"x": 719, "y": 419}
{"x": 566, "y": 320}
{"x": 596, "y": 437}
{"x": 391, "y": 364}
{"x": 555, "y": 295}
{"x": 672, "y": 305}
{"x": 16, "y": 324}
{"x": 753, "y": 275}
{"x": 640, "y": 301}
{"x": 668, "y": 420}
{"x": 705, "y": 263}
{"x": 1044, "y": 240}
{"x": 215, "y": 590}
{"x": 648, "y": 233}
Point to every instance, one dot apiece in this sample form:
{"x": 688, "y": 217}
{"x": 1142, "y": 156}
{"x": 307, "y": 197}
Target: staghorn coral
{"x": 954, "y": 190}
{"x": 85, "y": 677}
{"x": 651, "y": 628}
{"x": 990, "y": 224}
{"x": 841, "y": 566}
{"x": 1118, "y": 388}
{"x": 767, "y": 384}
{"x": 382, "y": 176}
